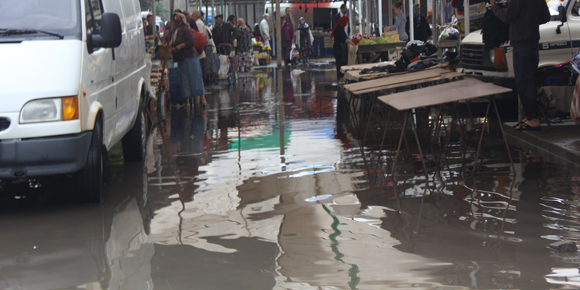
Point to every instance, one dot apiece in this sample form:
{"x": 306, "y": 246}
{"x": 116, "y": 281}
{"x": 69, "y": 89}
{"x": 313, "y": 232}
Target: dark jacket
{"x": 184, "y": 35}
{"x": 292, "y": 33}
{"x": 524, "y": 17}
{"x": 335, "y": 21}
{"x": 223, "y": 34}
{"x": 422, "y": 31}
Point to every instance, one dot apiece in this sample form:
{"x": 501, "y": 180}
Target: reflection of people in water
{"x": 533, "y": 258}
{"x": 189, "y": 133}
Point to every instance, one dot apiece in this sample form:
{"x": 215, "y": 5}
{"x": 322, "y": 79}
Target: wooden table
{"x": 379, "y": 49}
{"x": 443, "y": 94}
{"x": 375, "y": 85}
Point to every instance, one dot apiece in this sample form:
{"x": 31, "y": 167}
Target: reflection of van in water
{"x": 324, "y": 13}
{"x": 73, "y": 84}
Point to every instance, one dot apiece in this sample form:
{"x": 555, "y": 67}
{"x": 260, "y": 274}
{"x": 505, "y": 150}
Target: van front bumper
{"x": 44, "y": 156}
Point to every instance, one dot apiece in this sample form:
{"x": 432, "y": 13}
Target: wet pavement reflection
{"x": 271, "y": 187}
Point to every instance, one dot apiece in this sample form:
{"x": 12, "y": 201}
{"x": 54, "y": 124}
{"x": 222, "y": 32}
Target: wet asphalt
{"x": 279, "y": 185}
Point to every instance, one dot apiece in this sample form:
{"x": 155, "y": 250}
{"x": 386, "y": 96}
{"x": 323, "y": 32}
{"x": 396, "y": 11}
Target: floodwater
{"x": 272, "y": 187}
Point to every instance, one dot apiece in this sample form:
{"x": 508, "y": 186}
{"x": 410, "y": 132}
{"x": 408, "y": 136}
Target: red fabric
{"x": 342, "y": 22}
{"x": 200, "y": 41}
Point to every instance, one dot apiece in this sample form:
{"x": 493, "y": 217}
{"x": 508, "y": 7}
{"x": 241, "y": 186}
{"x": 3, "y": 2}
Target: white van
{"x": 559, "y": 40}
{"x": 71, "y": 86}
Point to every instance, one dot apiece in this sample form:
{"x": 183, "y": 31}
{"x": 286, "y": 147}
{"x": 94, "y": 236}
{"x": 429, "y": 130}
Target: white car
{"x": 72, "y": 85}
{"x": 559, "y": 40}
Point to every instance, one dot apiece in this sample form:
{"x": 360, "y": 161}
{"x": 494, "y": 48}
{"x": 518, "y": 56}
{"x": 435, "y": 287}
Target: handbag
{"x": 293, "y": 52}
{"x": 178, "y": 55}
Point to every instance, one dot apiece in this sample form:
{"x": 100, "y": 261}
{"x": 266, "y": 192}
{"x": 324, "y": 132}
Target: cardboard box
{"x": 268, "y": 60}
{"x": 328, "y": 42}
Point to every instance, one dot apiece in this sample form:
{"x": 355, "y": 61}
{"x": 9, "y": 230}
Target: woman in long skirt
{"x": 305, "y": 40}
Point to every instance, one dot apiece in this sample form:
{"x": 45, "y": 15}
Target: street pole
{"x": 360, "y": 18}
{"x": 411, "y": 24}
{"x": 466, "y": 18}
{"x": 278, "y": 35}
{"x": 380, "y": 17}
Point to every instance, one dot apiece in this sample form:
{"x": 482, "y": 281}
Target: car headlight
{"x": 50, "y": 110}
{"x": 492, "y": 56}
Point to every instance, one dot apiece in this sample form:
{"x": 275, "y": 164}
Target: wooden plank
{"x": 396, "y": 79}
{"x": 411, "y": 83}
{"x": 442, "y": 94}
{"x": 380, "y": 47}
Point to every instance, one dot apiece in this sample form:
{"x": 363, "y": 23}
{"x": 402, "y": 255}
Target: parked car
{"x": 559, "y": 40}
{"x": 72, "y": 80}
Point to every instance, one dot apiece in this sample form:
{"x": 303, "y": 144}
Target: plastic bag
{"x": 449, "y": 33}
{"x": 293, "y": 52}
{"x": 224, "y": 67}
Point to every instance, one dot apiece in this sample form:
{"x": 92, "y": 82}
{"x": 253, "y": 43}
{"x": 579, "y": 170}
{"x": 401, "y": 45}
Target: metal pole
{"x": 223, "y": 8}
{"x": 411, "y": 24}
{"x": 360, "y": 17}
{"x": 207, "y": 13}
{"x": 466, "y": 19}
{"x": 350, "y": 18}
{"x": 380, "y": 17}
{"x": 434, "y": 22}
{"x": 278, "y": 35}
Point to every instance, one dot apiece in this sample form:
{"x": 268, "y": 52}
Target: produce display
{"x": 366, "y": 42}
{"x": 266, "y": 47}
{"x": 358, "y": 37}
{"x": 371, "y": 40}
{"x": 257, "y": 44}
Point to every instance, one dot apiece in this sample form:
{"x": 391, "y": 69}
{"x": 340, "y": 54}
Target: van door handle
{"x": 112, "y": 79}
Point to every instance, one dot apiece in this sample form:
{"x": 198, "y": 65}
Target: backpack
{"x": 200, "y": 41}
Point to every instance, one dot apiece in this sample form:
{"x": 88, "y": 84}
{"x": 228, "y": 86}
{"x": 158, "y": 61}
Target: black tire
{"x": 134, "y": 145}
{"x": 90, "y": 177}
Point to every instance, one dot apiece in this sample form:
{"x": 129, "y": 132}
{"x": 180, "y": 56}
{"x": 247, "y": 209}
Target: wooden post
{"x": 279, "y": 55}
{"x": 434, "y": 22}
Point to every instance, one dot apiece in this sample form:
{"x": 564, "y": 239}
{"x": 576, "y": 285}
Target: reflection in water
{"x": 272, "y": 188}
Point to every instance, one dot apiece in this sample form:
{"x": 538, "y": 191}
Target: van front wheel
{"x": 134, "y": 145}
{"x": 90, "y": 177}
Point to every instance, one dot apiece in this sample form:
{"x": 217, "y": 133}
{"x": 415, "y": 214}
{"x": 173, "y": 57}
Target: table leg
{"x": 480, "y": 140}
{"x": 503, "y": 134}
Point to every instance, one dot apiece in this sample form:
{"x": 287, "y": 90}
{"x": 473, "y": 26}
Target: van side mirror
{"x": 563, "y": 18}
{"x": 111, "y": 33}
{"x": 562, "y": 12}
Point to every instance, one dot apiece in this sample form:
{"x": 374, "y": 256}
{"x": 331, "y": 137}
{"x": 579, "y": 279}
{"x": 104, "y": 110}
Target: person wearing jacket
{"x": 189, "y": 69}
{"x": 340, "y": 38}
{"x": 400, "y": 21}
{"x": 421, "y": 28}
{"x": 524, "y": 18}
{"x": 305, "y": 40}
{"x": 288, "y": 37}
{"x": 223, "y": 31}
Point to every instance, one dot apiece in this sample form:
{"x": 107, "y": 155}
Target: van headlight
{"x": 492, "y": 56}
{"x": 50, "y": 110}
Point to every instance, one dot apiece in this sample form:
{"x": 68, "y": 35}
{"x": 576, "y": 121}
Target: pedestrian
{"x": 421, "y": 28}
{"x": 340, "y": 48}
{"x": 257, "y": 35}
{"x": 244, "y": 45}
{"x": 290, "y": 16}
{"x": 189, "y": 70}
{"x": 525, "y": 18}
{"x": 288, "y": 37}
{"x": 191, "y": 21}
{"x": 197, "y": 17}
{"x": 306, "y": 40}
{"x": 265, "y": 29}
{"x": 343, "y": 12}
{"x": 223, "y": 32}
{"x": 400, "y": 21}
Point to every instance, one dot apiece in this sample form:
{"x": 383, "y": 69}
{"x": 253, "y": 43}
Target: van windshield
{"x": 54, "y": 16}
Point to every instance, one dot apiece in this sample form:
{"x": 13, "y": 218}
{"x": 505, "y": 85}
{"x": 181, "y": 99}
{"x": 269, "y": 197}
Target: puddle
{"x": 271, "y": 188}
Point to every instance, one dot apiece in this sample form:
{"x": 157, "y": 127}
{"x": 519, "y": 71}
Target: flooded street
{"x": 272, "y": 187}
